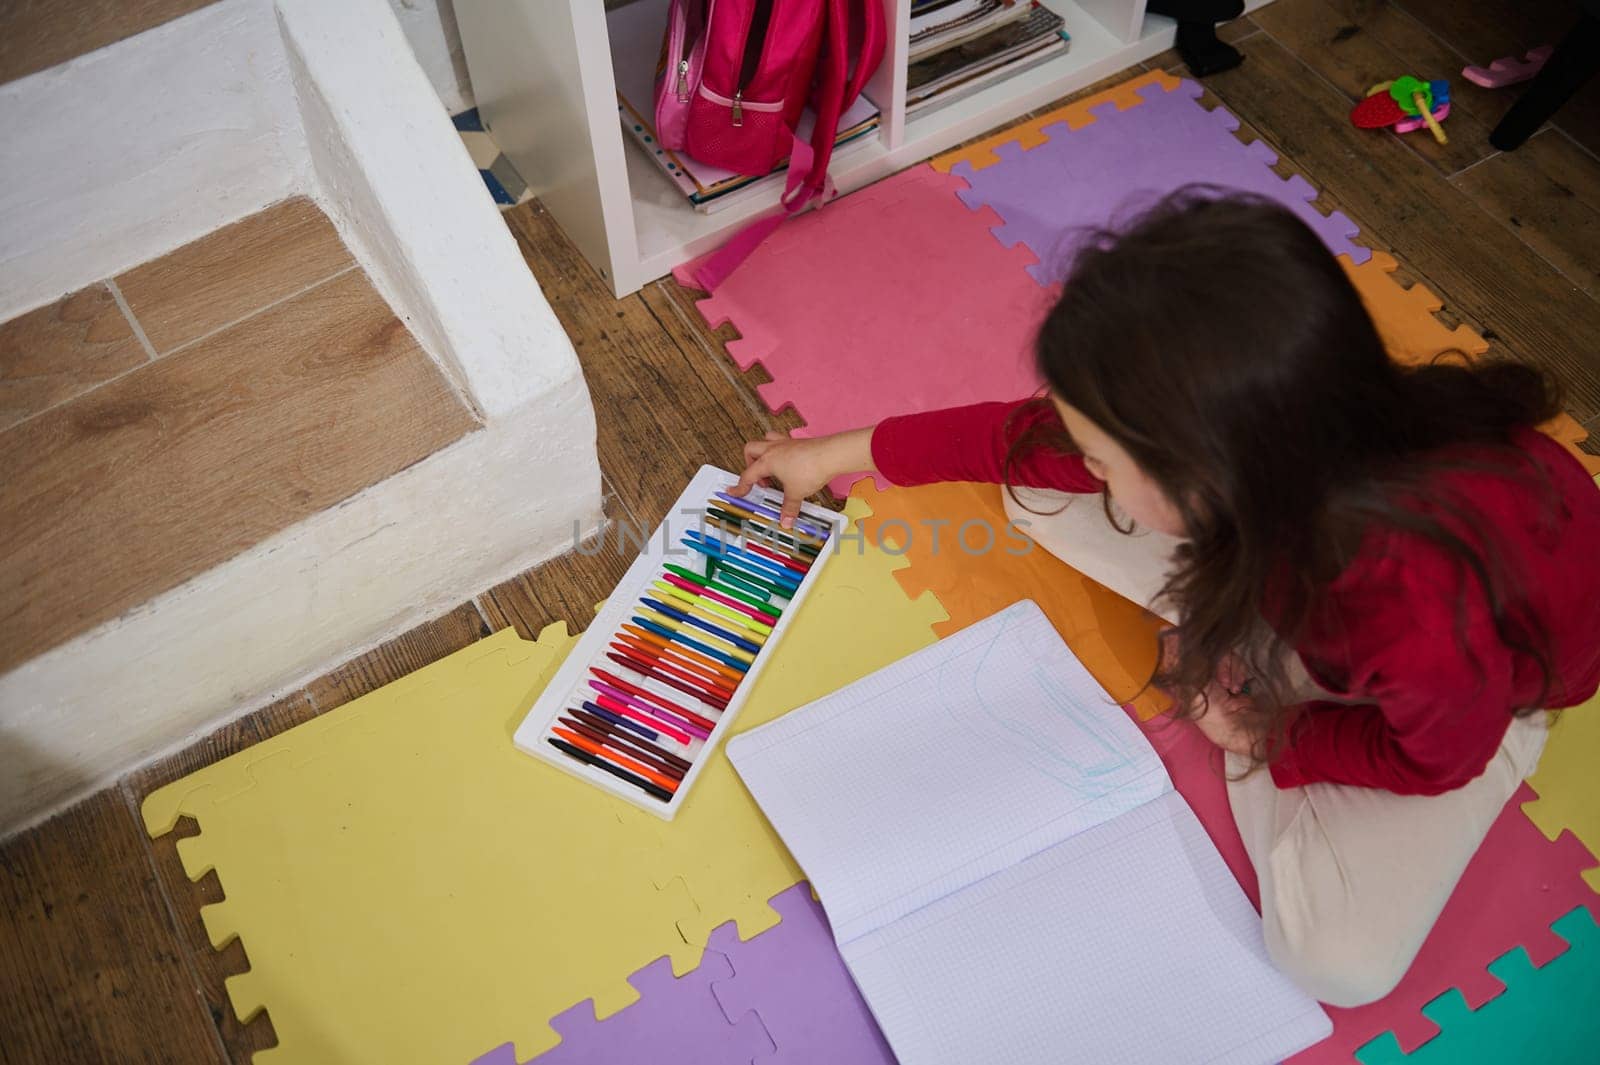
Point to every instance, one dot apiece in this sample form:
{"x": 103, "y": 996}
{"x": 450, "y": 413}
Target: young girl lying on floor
{"x": 1383, "y": 575}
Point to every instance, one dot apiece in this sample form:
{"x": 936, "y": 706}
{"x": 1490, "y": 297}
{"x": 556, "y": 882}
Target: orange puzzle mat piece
{"x": 1113, "y": 637}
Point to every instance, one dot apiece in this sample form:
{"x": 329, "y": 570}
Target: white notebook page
{"x": 1129, "y": 943}
{"x": 946, "y": 767}
{"x": 1007, "y": 870}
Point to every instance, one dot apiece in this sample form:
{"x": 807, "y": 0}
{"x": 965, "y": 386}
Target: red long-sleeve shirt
{"x": 1403, "y": 631}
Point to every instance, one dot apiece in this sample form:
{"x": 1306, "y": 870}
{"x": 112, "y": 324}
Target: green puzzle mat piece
{"x": 1548, "y": 1016}
{"x": 409, "y": 887}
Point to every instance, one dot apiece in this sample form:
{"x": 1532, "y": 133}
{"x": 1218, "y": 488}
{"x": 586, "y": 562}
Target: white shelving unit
{"x": 542, "y": 74}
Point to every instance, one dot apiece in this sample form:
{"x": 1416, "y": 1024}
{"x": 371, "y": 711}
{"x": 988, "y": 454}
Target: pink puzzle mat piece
{"x": 892, "y": 299}
{"x": 792, "y": 977}
{"x": 675, "y": 1022}
{"x": 1514, "y": 889}
{"x": 1123, "y": 162}
{"x": 1195, "y": 765}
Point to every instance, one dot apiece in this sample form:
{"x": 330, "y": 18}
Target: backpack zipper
{"x": 755, "y": 41}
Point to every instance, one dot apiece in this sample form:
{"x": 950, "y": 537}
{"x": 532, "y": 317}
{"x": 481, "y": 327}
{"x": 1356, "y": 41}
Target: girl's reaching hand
{"x": 1222, "y": 716}
{"x": 803, "y": 467}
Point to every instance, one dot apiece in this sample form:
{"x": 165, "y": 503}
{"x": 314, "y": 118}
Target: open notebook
{"x": 1008, "y": 871}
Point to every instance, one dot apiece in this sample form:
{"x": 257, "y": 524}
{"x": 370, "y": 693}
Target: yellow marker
{"x": 732, "y": 650}
{"x": 713, "y": 611}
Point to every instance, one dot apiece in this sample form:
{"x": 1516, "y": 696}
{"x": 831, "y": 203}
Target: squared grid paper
{"x": 970, "y": 755}
{"x": 1055, "y": 959}
{"x": 985, "y": 830}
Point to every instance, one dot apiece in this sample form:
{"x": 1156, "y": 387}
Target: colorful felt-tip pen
{"x": 695, "y": 601}
{"x": 772, "y": 512}
{"x": 632, "y": 765}
{"x": 697, "y": 672}
{"x": 630, "y": 688}
{"x": 773, "y": 571}
{"x": 621, "y": 722}
{"x": 578, "y": 755}
{"x": 595, "y": 721}
{"x": 765, "y": 609}
{"x": 617, "y": 695}
{"x": 663, "y": 644}
{"x": 727, "y": 601}
{"x": 681, "y": 633}
{"x": 650, "y": 720}
{"x": 620, "y": 744}
{"x": 718, "y": 628}
{"x": 661, "y": 673}
{"x": 741, "y": 524}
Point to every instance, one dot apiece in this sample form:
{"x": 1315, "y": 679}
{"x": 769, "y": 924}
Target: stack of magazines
{"x": 635, "y": 30}
{"x": 960, "y": 46}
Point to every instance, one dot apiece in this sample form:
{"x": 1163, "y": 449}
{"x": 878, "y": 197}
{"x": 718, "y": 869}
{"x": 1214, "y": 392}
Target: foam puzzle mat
{"x": 1080, "y": 178}
{"x": 913, "y": 288}
{"x": 927, "y": 307}
{"x": 1546, "y": 1016}
{"x": 408, "y": 886}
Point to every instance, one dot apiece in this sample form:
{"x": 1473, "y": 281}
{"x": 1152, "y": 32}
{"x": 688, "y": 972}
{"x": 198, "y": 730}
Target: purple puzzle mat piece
{"x": 675, "y": 1022}
{"x": 792, "y": 977}
{"x": 1126, "y": 160}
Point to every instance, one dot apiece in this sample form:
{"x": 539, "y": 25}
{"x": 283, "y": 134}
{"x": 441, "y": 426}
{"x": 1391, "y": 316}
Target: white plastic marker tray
{"x": 573, "y": 684}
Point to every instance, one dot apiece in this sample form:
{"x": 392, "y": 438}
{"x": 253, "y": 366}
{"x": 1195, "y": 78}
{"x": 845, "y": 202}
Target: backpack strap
{"x": 807, "y": 179}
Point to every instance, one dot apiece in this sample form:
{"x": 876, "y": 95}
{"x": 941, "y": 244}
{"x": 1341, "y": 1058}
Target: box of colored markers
{"x": 653, "y": 686}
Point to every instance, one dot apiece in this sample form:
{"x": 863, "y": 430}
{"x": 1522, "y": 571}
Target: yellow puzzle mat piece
{"x": 1566, "y": 781}
{"x": 1113, "y": 637}
{"x": 1030, "y": 134}
{"x": 409, "y": 887}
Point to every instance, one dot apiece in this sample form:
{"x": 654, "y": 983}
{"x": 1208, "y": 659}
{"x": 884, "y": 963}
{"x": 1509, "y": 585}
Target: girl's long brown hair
{"x": 1222, "y": 346}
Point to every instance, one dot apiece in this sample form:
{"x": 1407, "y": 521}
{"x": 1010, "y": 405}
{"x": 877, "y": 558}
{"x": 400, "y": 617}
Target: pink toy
{"x": 1510, "y": 70}
{"x": 1407, "y": 125}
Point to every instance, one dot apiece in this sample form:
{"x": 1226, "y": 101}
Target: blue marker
{"x": 699, "y": 623}
{"x": 705, "y": 649}
{"x": 765, "y": 567}
{"x": 730, "y": 567}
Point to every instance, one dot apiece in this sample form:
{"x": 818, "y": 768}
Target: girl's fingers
{"x": 789, "y": 511}
{"x": 755, "y": 449}
{"x": 775, "y": 434}
{"x": 752, "y": 476}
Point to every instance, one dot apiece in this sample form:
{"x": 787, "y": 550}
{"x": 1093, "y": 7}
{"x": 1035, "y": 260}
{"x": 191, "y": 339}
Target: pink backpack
{"x": 734, "y": 78}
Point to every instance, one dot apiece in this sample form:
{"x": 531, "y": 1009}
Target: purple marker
{"x": 766, "y": 511}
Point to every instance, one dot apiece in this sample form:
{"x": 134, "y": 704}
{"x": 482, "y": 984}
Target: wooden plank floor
{"x": 1505, "y": 239}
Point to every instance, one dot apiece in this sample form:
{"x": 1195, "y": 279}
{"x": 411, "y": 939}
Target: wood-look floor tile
{"x": 57, "y": 351}
{"x": 662, "y": 412}
{"x": 185, "y": 897}
{"x": 91, "y": 969}
{"x": 41, "y": 33}
{"x": 181, "y": 464}
{"x": 406, "y": 653}
{"x": 1483, "y": 272}
{"x": 1485, "y": 30}
{"x": 233, "y": 272}
{"x": 1548, "y": 193}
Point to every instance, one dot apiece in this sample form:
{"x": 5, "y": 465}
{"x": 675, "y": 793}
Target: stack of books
{"x": 635, "y": 31}
{"x": 960, "y": 46}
